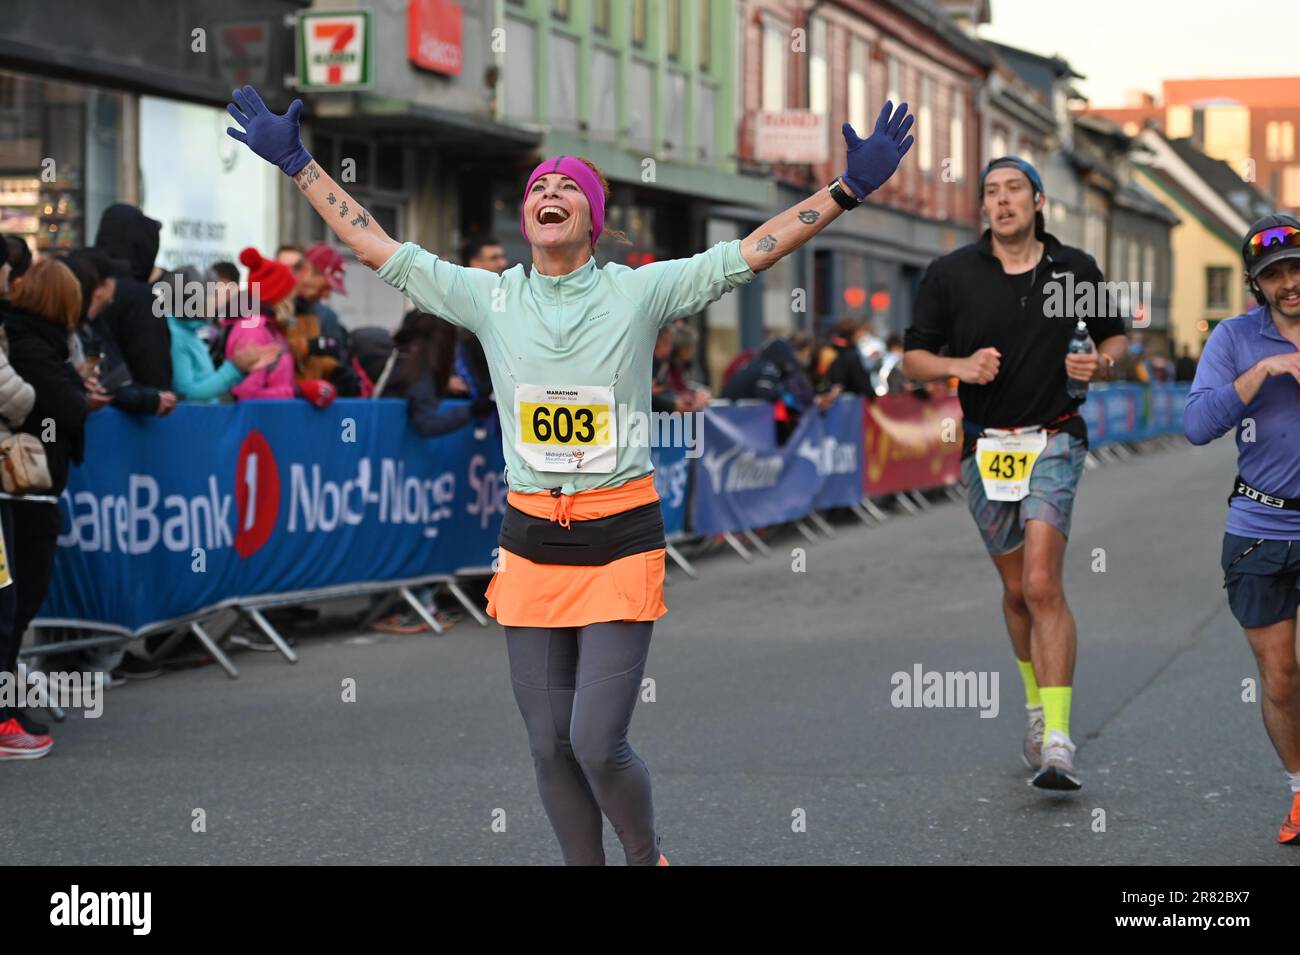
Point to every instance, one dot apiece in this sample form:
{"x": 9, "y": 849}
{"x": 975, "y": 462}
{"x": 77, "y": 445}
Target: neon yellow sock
{"x": 1056, "y": 709}
{"x": 1031, "y": 685}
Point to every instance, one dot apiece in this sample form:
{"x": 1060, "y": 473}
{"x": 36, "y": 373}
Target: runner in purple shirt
{"x": 1249, "y": 379}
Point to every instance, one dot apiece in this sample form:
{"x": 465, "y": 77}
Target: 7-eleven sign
{"x": 334, "y": 50}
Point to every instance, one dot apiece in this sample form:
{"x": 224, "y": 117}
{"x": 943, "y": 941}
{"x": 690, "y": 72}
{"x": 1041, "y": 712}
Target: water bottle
{"x": 1080, "y": 344}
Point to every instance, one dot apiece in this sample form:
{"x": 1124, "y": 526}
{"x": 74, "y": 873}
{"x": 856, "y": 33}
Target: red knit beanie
{"x": 274, "y": 279}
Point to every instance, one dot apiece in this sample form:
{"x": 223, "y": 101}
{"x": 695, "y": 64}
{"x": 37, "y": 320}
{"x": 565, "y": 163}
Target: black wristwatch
{"x": 842, "y": 198}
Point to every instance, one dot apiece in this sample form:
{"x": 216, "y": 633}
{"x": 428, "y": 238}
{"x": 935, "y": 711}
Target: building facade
{"x": 1215, "y": 209}
{"x": 1249, "y": 123}
{"x": 814, "y": 66}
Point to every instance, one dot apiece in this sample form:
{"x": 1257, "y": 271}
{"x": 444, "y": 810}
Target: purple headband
{"x": 587, "y": 181}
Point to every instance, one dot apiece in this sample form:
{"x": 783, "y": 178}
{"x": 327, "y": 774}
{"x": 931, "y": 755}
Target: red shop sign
{"x": 433, "y": 35}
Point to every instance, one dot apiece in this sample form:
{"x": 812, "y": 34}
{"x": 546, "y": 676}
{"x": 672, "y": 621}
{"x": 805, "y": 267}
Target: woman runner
{"x": 580, "y": 576}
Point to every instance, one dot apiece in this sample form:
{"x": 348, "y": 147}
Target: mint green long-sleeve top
{"x": 593, "y": 326}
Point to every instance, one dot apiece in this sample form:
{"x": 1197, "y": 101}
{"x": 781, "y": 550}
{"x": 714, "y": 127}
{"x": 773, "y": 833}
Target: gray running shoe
{"x": 1057, "y": 771}
{"x": 1032, "y": 752}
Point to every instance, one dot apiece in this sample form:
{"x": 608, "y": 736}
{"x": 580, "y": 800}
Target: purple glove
{"x": 874, "y": 159}
{"x": 275, "y": 138}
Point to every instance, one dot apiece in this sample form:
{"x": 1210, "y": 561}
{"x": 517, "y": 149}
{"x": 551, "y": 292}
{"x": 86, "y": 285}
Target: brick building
{"x": 841, "y": 59}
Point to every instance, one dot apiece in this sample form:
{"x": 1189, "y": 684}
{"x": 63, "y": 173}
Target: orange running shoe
{"x": 1290, "y": 834}
{"x": 663, "y": 859}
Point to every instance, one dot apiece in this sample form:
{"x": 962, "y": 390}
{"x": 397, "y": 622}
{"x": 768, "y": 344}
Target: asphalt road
{"x": 772, "y": 704}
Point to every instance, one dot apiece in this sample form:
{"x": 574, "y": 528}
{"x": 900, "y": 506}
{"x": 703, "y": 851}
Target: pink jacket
{"x": 274, "y": 381}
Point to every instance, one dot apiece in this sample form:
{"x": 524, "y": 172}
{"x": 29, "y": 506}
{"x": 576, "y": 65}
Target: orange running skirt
{"x": 526, "y": 594}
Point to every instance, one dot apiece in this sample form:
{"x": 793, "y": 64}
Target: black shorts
{"x": 1264, "y": 585}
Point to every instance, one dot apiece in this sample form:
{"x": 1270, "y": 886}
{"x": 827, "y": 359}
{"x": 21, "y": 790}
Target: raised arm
{"x": 278, "y": 140}
{"x": 871, "y": 162}
{"x": 363, "y": 235}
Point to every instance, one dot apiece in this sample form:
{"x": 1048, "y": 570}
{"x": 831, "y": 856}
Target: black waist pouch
{"x": 583, "y": 543}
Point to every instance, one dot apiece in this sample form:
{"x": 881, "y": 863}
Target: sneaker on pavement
{"x": 257, "y": 640}
{"x": 1032, "y": 750}
{"x": 400, "y": 623}
{"x": 16, "y": 743}
{"x": 410, "y": 622}
{"x": 1290, "y": 834}
{"x": 1057, "y": 770}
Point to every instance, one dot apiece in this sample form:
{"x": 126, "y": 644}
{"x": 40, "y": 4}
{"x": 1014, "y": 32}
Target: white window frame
{"x": 957, "y": 137}
{"x": 819, "y": 99}
{"x": 776, "y": 62}
{"x": 859, "y": 63}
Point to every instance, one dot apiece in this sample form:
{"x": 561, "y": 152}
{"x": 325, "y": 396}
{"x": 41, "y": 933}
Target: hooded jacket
{"x": 131, "y": 237}
{"x": 38, "y": 351}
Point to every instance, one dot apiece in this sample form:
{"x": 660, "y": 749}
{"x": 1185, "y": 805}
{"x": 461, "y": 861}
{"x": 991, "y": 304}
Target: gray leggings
{"x": 576, "y": 688}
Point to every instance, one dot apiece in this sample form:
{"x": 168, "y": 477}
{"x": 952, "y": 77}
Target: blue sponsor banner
{"x": 672, "y": 477}
{"x": 744, "y": 480}
{"x": 1178, "y": 393}
{"x": 1120, "y": 405}
{"x": 170, "y": 516}
{"x": 1094, "y": 417}
{"x": 1131, "y": 412}
{"x": 841, "y": 454}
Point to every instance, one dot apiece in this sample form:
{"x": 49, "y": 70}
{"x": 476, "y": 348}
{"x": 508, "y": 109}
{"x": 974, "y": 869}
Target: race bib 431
{"x": 1006, "y": 462}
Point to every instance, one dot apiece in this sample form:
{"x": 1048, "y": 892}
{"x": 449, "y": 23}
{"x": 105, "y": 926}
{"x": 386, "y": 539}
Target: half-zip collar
{"x": 568, "y": 288}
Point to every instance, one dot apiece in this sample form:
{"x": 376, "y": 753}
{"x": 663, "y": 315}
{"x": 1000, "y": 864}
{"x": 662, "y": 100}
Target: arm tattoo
{"x": 330, "y": 199}
{"x": 766, "y": 244}
{"x": 307, "y": 175}
{"x": 362, "y": 219}
{"x": 809, "y": 216}
{"x": 343, "y": 211}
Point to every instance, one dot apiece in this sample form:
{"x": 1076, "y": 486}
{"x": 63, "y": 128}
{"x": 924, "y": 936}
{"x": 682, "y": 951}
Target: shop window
{"x": 81, "y": 131}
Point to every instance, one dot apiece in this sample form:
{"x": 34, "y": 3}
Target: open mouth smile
{"x": 552, "y": 215}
